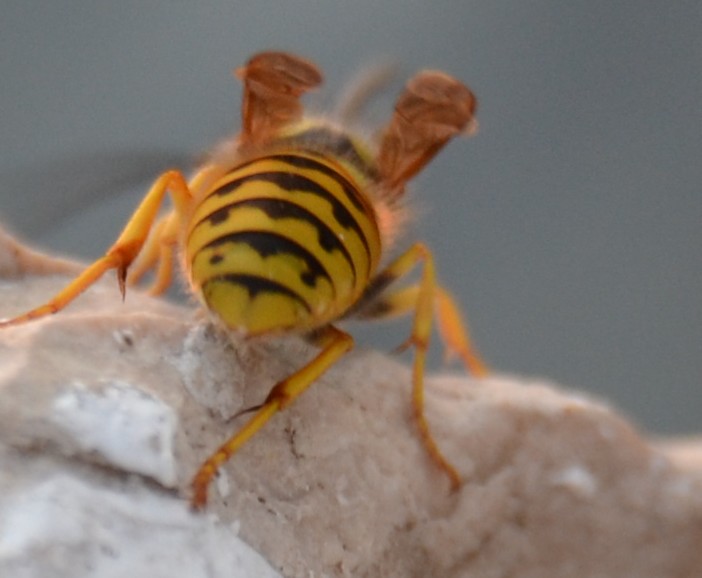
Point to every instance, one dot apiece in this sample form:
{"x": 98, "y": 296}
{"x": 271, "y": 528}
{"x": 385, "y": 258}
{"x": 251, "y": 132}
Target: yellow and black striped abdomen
{"x": 286, "y": 241}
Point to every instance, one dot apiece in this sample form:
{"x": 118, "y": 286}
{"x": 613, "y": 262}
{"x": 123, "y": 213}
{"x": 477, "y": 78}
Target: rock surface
{"x": 108, "y": 408}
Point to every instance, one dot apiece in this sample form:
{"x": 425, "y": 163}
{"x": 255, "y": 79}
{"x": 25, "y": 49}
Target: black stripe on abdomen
{"x": 255, "y": 284}
{"x": 291, "y": 182}
{"x": 281, "y": 209}
{"x": 266, "y": 243}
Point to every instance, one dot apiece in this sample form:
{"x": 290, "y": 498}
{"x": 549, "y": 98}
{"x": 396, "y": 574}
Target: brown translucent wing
{"x": 433, "y": 108}
{"x": 273, "y": 84}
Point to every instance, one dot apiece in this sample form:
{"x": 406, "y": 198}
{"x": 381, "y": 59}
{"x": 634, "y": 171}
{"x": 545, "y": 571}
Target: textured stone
{"x": 108, "y": 408}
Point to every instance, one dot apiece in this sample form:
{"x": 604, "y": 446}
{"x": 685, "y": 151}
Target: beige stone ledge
{"x": 107, "y": 409}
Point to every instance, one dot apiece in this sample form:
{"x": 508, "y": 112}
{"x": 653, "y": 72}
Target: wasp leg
{"x": 455, "y": 334}
{"x": 452, "y": 329}
{"x": 128, "y": 245}
{"x": 422, "y": 298}
{"x": 158, "y": 252}
{"x": 334, "y": 343}
{"x": 273, "y": 85}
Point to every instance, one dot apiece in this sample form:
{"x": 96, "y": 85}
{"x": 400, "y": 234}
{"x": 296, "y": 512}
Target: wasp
{"x": 286, "y": 230}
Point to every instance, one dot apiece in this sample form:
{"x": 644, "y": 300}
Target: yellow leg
{"x": 452, "y": 329}
{"x": 422, "y": 298}
{"x": 159, "y": 252}
{"x": 421, "y": 333}
{"x": 150, "y": 254}
{"x": 160, "y": 247}
{"x": 128, "y": 245}
{"x": 334, "y": 343}
{"x": 454, "y": 332}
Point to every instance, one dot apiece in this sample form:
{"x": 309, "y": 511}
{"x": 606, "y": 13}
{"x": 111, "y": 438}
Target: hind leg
{"x": 423, "y": 299}
{"x": 334, "y": 343}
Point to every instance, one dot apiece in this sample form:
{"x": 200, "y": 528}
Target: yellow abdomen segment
{"x": 286, "y": 241}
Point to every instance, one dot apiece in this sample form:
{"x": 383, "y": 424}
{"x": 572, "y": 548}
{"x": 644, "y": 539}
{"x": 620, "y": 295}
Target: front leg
{"x": 127, "y": 247}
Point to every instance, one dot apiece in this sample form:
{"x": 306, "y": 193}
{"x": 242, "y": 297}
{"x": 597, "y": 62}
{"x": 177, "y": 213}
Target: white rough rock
{"x": 69, "y": 525}
{"x": 107, "y": 409}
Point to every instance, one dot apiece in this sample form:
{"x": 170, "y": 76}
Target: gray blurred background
{"x": 570, "y": 227}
